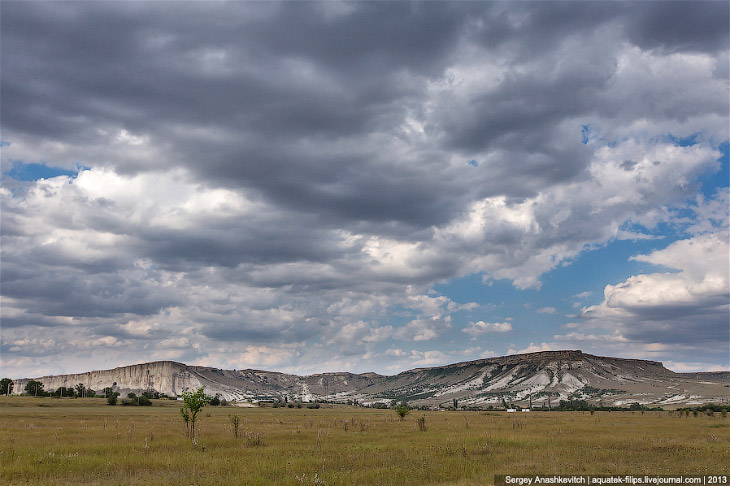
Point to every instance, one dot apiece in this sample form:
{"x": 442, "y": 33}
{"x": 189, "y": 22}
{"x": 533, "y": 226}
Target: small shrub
{"x": 421, "y": 422}
{"x": 253, "y": 439}
{"x": 129, "y": 401}
{"x": 235, "y": 421}
{"x": 144, "y": 401}
{"x": 112, "y": 399}
{"x": 402, "y": 410}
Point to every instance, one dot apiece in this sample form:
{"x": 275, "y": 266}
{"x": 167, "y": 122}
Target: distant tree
{"x": 62, "y": 391}
{"x": 216, "y": 400}
{"x": 402, "y": 410}
{"x": 112, "y": 398}
{"x": 90, "y": 393}
{"x": 132, "y": 395}
{"x": 80, "y": 390}
{"x": 6, "y": 386}
{"x": 144, "y": 401}
{"x": 456, "y": 403}
{"x": 34, "y": 388}
{"x": 194, "y": 403}
{"x": 108, "y": 391}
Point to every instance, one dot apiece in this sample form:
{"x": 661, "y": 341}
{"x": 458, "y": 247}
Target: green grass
{"x": 84, "y": 441}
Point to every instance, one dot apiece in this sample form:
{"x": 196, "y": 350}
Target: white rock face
{"x": 166, "y": 377}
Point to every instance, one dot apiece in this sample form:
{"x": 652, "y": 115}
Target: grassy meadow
{"x": 84, "y": 441}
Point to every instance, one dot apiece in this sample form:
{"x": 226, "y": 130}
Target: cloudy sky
{"x": 309, "y": 187}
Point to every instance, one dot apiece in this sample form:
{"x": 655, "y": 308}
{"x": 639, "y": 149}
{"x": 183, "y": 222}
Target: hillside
{"x": 542, "y": 378}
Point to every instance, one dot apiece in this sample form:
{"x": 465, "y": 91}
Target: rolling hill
{"x": 541, "y": 378}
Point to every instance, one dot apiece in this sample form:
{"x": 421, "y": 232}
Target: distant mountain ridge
{"x": 541, "y": 377}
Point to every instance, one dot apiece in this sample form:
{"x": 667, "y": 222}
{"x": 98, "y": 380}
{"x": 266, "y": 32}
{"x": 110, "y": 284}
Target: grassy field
{"x": 85, "y": 441}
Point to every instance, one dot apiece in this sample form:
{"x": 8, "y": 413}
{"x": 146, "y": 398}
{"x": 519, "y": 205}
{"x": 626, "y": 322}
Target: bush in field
{"x": 235, "y": 422}
{"x": 402, "y": 410}
{"x": 421, "y": 422}
{"x": 144, "y": 401}
{"x": 112, "y": 399}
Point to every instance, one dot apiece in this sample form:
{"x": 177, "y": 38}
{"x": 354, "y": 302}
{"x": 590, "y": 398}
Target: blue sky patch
{"x": 34, "y": 172}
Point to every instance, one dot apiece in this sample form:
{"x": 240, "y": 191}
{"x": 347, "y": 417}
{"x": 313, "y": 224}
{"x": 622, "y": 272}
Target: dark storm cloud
{"x": 275, "y": 80}
{"x": 74, "y": 293}
{"x": 121, "y": 65}
{"x": 680, "y": 26}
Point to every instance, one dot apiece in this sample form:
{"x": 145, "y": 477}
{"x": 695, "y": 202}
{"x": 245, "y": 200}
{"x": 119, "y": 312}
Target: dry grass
{"x": 66, "y": 441}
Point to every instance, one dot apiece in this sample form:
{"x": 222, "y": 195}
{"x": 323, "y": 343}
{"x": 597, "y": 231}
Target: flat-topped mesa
{"x": 168, "y": 377}
{"x": 542, "y": 357}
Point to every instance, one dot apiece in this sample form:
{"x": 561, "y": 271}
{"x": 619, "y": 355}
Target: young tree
{"x": 34, "y": 388}
{"x": 6, "y": 386}
{"x": 80, "y": 390}
{"x": 402, "y": 410}
{"x": 194, "y": 403}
